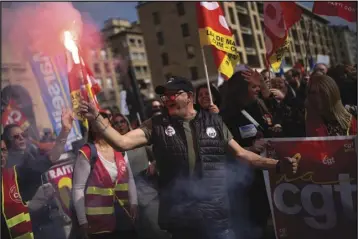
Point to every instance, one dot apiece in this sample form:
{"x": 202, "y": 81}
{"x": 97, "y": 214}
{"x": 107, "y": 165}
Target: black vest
{"x": 200, "y": 200}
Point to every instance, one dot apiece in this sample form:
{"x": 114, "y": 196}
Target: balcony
{"x": 246, "y": 30}
{"x": 250, "y": 51}
{"x": 241, "y": 9}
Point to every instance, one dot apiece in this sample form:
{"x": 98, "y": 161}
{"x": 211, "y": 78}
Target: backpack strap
{"x": 93, "y": 155}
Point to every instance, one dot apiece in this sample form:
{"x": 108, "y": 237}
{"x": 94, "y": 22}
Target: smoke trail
{"x": 39, "y": 27}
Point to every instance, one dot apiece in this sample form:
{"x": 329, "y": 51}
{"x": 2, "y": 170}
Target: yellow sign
{"x": 222, "y": 42}
{"x": 228, "y": 64}
{"x": 276, "y": 58}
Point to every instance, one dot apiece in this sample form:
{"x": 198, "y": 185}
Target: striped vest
{"x": 102, "y": 194}
{"x": 15, "y": 212}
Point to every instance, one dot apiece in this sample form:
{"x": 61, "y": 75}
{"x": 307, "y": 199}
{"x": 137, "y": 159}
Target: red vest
{"x": 15, "y": 212}
{"x": 102, "y": 193}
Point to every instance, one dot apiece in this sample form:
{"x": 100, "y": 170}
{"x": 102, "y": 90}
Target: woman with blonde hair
{"x": 325, "y": 113}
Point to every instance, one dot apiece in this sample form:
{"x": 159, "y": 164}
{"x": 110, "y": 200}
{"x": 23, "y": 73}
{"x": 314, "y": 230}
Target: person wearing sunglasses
{"x": 191, "y": 149}
{"x": 28, "y": 164}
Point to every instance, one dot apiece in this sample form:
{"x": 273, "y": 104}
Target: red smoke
{"x": 40, "y": 27}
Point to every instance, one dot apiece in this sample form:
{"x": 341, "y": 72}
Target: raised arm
{"x": 134, "y": 139}
{"x": 286, "y": 165}
{"x": 59, "y": 147}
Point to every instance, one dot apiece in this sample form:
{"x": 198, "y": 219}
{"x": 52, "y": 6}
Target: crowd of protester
{"x": 126, "y": 184}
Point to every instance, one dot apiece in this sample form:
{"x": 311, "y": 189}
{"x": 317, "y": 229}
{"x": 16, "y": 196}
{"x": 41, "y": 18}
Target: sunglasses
{"x": 172, "y": 96}
{"x": 18, "y": 136}
{"x": 119, "y": 122}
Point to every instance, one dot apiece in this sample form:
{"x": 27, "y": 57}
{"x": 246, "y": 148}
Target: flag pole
{"x": 207, "y": 75}
{"x": 308, "y": 46}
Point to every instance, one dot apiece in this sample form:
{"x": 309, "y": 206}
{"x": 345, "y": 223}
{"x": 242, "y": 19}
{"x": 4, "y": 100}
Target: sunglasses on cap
{"x": 18, "y": 136}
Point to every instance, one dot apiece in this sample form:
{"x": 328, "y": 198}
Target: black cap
{"x": 175, "y": 83}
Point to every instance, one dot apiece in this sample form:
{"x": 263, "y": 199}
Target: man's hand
{"x": 288, "y": 165}
{"x": 213, "y": 109}
{"x": 151, "y": 170}
{"x": 67, "y": 119}
{"x": 134, "y": 212}
{"x": 88, "y": 110}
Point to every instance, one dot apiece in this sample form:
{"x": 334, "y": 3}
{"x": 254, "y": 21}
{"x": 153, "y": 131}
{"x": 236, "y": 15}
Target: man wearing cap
{"x": 190, "y": 148}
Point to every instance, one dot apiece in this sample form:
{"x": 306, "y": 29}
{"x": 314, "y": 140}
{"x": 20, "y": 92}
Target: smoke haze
{"x": 39, "y": 27}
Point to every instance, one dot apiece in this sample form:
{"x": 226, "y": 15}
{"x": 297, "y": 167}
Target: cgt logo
{"x": 14, "y": 194}
{"x": 349, "y": 147}
{"x": 328, "y": 160}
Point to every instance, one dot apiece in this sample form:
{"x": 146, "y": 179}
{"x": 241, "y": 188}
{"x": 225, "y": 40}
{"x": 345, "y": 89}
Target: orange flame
{"x": 71, "y": 46}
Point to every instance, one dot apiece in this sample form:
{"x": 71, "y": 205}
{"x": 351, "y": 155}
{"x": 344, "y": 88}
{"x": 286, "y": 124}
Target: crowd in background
{"x": 296, "y": 104}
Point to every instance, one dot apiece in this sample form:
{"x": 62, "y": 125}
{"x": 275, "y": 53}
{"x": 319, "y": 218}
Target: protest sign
{"x": 51, "y": 74}
{"x": 319, "y": 201}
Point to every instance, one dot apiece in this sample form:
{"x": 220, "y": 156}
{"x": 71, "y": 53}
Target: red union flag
{"x": 214, "y": 31}
{"x": 320, "y": 200}
{"x": 13, "y": 115}
{"x": 278, "y": 19}
{"x": 345, "y": 10}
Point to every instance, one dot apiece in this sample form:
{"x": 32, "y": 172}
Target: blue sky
{"x": 100, "y": 11}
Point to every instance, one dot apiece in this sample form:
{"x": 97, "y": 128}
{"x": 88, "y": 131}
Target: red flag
{"x": 345, "y": 10}
{"x": 214, "y": 31}
{"x": 13, "y": 115}
{"x": 278, "y": 18}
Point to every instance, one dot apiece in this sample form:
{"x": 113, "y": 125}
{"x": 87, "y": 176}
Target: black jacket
{"x": 199, "y": 201}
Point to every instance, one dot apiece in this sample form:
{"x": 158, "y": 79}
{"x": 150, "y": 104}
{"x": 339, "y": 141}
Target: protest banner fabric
{"x": 51, "y": 76}
{"x": 60, "y": 176}
{"x": 319, "y": 201}
{"x": 278, "y": 19}
{"x": 13, "y": 115}
{"x": 214, "y": 31}
{"x": 345, "y": 10}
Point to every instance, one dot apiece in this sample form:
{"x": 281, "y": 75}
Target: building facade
{"x": 171, "y": 36}
{"x": 126, "y": 40}
{"x": 347, "y": 44}
{"x": 104, "y": 69}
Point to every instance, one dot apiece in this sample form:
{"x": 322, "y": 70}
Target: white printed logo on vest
{"x": 169, "y": 131}
{"x": 211, "y": 132}
{"x": 14, "y": 194}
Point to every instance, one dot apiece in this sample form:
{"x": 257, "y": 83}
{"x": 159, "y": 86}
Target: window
{"x": 237, "y": 41}
{"x": 231, "y": 15}
{"x": 160, "y": 38}
{"x": 260, "y": 42}
{"x": 140, "y": 42}
{"x": 99, "y": 82}
{"x": 132, "y": 42}
{"x": 145, "y": 69}
{"x": 96, "y": 67}
{"x": 180, "y": 8}
{"x": 185, "y": 30}
{"x": 165, "y": 59}
{"x": 103, "y": 54}
{"x": 241, "y": 60}
{"x": 138, "y": 70}
{"x": 194, "y": 73}
{"x": 253, "y": 60}
{"x": 134, "y": 56}
{"x": 109, "y": 82}
{"x": 190, "y": 51}
{"x": 107, "y": 67}
{"x": 256, "y": 22}
{"x": 156, "y": 18}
